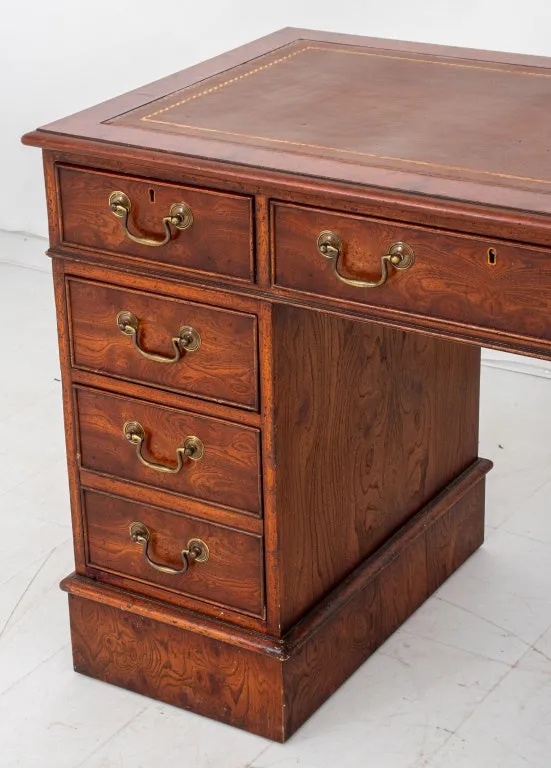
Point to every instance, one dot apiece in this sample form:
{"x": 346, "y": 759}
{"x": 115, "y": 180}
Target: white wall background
{"x": 60, "y": 56}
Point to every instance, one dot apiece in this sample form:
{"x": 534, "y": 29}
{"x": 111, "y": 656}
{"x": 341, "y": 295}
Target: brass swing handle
{"x": 179, "y": 215}
{"x": 400, "y": 256}
{"x": 188, "y": 339}
{"x": 195, "y": 552}
{"x": 192, "y": 449}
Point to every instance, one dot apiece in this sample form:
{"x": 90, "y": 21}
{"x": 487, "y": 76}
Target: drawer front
{"x": 231, "y": 576}
{"x": 453, "y": 277}
{"x": 218, "y": 241}
{"x": 223, "y": 367}
{"x": 228, "y": 473}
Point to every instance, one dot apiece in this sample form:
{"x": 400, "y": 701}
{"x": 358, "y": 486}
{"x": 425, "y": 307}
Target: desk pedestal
{"x": 373, "y": 495}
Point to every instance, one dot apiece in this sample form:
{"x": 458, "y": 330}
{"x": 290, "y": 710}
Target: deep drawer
{"x": 225, "y": 566}
{"x": 453, "y": 277}
{"x": 218, "y": 239}
{"x": 214, "y": 355}
{"x": 227, "y": 474}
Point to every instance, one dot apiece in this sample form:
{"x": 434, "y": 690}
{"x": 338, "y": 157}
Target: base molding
{"x": 268, "y": 685}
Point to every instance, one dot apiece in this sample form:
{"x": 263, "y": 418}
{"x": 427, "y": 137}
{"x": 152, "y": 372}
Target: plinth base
{"x": 259, "y": 683}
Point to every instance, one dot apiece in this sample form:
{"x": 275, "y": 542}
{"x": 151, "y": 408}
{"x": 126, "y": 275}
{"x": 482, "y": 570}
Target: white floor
{"x": 466, "y": 683}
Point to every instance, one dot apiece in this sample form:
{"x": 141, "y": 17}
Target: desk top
{"x": 449, "y": 122}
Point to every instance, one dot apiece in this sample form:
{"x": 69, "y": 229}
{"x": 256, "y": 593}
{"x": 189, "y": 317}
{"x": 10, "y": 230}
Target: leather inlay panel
{"x": 436, "y": 120}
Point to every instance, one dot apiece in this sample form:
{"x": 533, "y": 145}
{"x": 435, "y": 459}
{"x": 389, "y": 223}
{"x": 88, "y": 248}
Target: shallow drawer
{"x": 151, "y": 444}
{"x": 130, "y": 334}
{"x": 215, "y": 563}
{"x": 217, "y": 238}
{"x": 453, "y": 277}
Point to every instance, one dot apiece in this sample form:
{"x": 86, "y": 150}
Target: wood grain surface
{"x": 500, "y": 226}
{"x": 340, "y": 484}
{"x": 176, "y": 666}
{"x": 220, "y": 240}
{"x": 249, "y": 680}
{"x": 395, "y": 583}
{"x": 228, "y": 474}
{"x": 452, "y": 277}
{"x": 232, "y": 576}
{"x": 224, "y": 368}
{"x": 370, "y": 423}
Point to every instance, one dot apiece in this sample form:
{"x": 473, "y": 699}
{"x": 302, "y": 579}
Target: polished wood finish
{"x": 228, "y": 473}
{"x": 442, "y": 175}
{"x": 370, "y": 424}
{"x": 232, "y": 576}
{"x": 471, "y": 281}
{"x": 326, "y": 651}
{"x": 224, "y": 368}
{"x": 179, "y": 667}
{"x": 219, "y": 240}
{"x": 274, "y": 686}
{"x": 340, "y": 423}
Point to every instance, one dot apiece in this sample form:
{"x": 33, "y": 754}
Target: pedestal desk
{"x": 274, "y": 272}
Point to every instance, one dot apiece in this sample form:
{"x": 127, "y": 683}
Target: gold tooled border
{"x": 152, "y": 117}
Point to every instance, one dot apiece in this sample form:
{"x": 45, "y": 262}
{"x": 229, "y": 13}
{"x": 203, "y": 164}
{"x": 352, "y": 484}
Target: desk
{"x": 273, "y": 275}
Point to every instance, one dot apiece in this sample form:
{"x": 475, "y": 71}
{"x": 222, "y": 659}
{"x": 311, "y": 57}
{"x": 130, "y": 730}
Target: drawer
{"x": 227, "y": 474}
{"x": 487, "y": 283}
{"x": 228, "y": 570}
{"x": 223, "y": 367}
{"x": 217, "y": 240}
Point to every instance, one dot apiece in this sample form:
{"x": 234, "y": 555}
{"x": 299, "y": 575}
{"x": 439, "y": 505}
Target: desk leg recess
{"x": 373, "y": 495}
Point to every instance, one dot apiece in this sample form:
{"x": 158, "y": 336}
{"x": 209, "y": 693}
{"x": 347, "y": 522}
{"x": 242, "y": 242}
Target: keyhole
{"x": 492, "y": 256}
{"x": 151, "y": 195}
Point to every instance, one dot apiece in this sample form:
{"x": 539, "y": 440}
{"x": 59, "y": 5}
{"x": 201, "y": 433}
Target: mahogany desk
{"x": 273, "y": 274}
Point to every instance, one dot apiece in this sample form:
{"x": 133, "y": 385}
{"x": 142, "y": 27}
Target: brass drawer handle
{"x": 400, "y": 256}
{"x": 180, "y": 216}
{"x": 195, "y": 552}
{"x": 192, "y": 449}
{"x": 187, "y": 340}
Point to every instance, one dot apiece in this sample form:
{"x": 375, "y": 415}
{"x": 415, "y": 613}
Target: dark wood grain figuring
{"x": 220, "y": 240}
{"x": 489, "y": 336}
{"x": 385, "y": 316}
{"x": 156, "y": 281}
{"x": 233, "y": 575}
{"x": 165, "y": 397}
{"x": 178, "y": 667}
{"x": 323, "y": 654}
{"x": 269, "y": 473}
{"x": 351, "y": 479}
{"x": 497, "y": 223}
{"x": 370, "y": 423}
{"x": 224, "y": 368}
{"x": 144, "y": 646}
{"x": 417, "y": 322}
{"x": 525, "y": 226}
{"x": 451, "y": 278}
{"x": 228, "y": 473}
{"x": 171, "y": 502}
{"x": 262, "y": 233}
{"x": 200, "y": 622}
{"x": 436, "y": 510}
{"x": 71, "y": 436}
